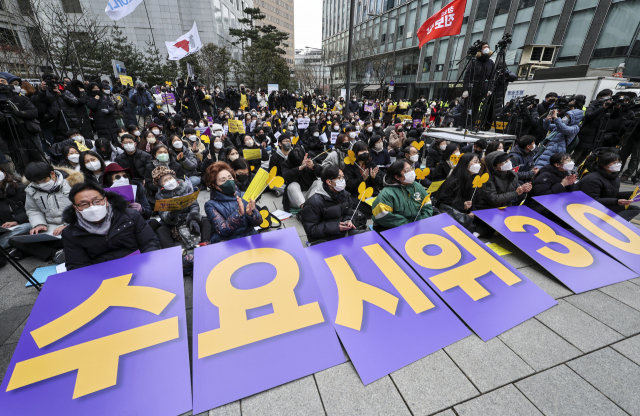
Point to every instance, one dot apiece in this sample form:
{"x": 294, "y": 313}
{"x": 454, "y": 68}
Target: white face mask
{"x": 129, "y": 147}
{"x": 507, "y": 166}
{"x": 94, "y": 213}
{"x": 249, "y": 143}
{"x": 486, "y": 51}
{"x": 200, "y": 124}
{"x": 218, "y": 133}
{"x": 377, "y": 125}
{"x": 566, "y": 120}
{"x": 534, "y": 147}
{"x": 336, "y": 128}
{"x": 457, "y": 153}
{"x": 443, "y": 146}
{"x": 616, "y": 167}
{"x": 155, "y": 131}
{"x": 151, "y": 140}
{"x": 75, "y": 158}
{"x": 217, "y": 145}
{"x": 409, "y": 177}
{"x": 47, "y": 185}
{"x": 177, "y": 145}
{"x": 193, "y": 137}
{"x": 171, "y": 184}
{"x": 217, "y": 89}
{"x": 378, "y": 147}
{"x": 137, "y": 133}
{"x": 340, "y": 185}
{"x": 569, "y": 166}
{"x": 352, "y": 134}
{"x": 475, "y": 168}
{"x": 93, "y": 166}
{"x": 204, "y": 114}
{"x": 369, "y": 129}
{"x": 78, "y": 139}
{"x": 413, "y": 158}
{"x": 316, "y": 134}
{"x": 120, "y": 182}
{"x": 233, "y": 157}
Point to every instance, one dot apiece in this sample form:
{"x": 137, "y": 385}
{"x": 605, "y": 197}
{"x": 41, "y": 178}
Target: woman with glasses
{"x": 400, "y": 201}
{"x": 116, "y": 176}
{"x": 101, "y": 228}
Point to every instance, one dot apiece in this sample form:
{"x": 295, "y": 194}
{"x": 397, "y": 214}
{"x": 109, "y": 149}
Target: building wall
{"x": 602, "y": 33}
{"x": 280, "y": 14}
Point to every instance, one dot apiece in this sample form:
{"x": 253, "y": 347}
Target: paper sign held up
{"x": 176, "y": 204}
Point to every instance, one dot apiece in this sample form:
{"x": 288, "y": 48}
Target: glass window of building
{"x": 502, "y": 7}
{"x": 617, "y": 33}
{"x": 411, "y": 23}
{"x": 483, "y": 9}
{"x": 574, "y": 37}
{"x": 225, "y": 16}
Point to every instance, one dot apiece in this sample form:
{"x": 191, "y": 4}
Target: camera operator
{"x": 144, "y": 103}
{"x": 526, "y": 112}
{"x": 476, "y": 82}
{"x": 591, "y": 123}
{"x": 26, "y": 147}
{"x": 233, "y": 99}
{"x": 631, "y": 147}
{"x": 219, "y": 99}
{"x": 56, "y": 109}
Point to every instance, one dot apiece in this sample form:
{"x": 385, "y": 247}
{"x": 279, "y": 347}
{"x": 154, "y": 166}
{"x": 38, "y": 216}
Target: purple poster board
{"x": 168, "y": 98}
{"x": 368, "y": 108}
{"x": 243, "y": 347}
{"x": 459, "y": 268}
{"x": 384, "y": 341}
{"x": 614, "y": 235}
{"x": 150, "y": 337}
{"x": 416, "y": 123}
{"x": 575, "y": 263}
{"x": 124, "y": 191}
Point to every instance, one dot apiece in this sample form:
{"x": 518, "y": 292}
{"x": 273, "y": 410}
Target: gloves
{"x": 194, "y": 216}
{"x": 174, "y": 215}
{"x": 136, "y": 206}
{"x": 465, "y": 94}
{"x": 194, "y": 227}
{"x": 105, "y": 110}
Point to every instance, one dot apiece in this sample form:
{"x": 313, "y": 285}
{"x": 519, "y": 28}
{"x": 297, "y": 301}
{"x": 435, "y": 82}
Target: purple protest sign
{"x": 385, "y": 315}
{"x": 575, "y": 263}
{"x": 210, "y": 120}
{"x": 416, "y": 123}
{"x": 614, "y": 235}
{"x": 108, "y": 339}
{"x": 124, "y": 191}
{"x": 368, "y": 108}
{"x": 258, "y": 318}
{"x": 168, "y": 98}
{"x": 489, "y": 294}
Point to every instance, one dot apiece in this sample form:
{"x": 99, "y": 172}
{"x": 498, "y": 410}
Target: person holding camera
{"x": 144, "y": 103}
{"x": 563, "y": 131}
{"x": 56, "y": 109}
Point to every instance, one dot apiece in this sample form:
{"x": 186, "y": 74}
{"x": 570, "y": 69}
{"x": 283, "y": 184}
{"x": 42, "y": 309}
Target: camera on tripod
{"x": 475, "y": 48}
{"x": 51, "y": 80}
{"x": 505, "y": 41}
{"x": 6, "y": 93}
{"x": 525, "y": 101}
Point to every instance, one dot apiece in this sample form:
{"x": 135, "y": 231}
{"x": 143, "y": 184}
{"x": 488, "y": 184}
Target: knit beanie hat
{"x": 159, "y": 172}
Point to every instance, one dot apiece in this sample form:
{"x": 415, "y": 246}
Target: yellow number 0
{"x": 577, "y": 256}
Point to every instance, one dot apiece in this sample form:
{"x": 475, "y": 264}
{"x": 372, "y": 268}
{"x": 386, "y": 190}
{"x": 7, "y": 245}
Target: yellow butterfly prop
{"x": 417, "y": 145}
{"x": 425, "y": 200}
{"x": 265, "y": 222}
{"x": 364, "y": 192}
{"x": 422, "y": 173}
{"x": 478, "y": 181}
{"x": 351, "y": 159}
{"x": 273, "y": 180}
{"x": 205, "y": 138}
{"x": 455, "y": 158}
{"x": 295, "y": 139}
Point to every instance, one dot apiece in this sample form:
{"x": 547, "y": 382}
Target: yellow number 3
{"x": 577, "y": 256}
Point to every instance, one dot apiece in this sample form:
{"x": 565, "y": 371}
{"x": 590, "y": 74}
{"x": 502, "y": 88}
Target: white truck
{"x": 587, "y": 86}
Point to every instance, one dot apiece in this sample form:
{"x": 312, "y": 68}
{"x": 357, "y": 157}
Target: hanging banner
{"x": 485, "y": 291}
{"x": 446, "y": 22}
{"x": 258, "y": 318}
{"x": 108, "y": 339}
{"x": 614, "y": 235}
{"x": 185, "y": 45}
{"x": 385, "y": 314}
{"x": 117, "y": 9}
{"x": 568, "y": 258}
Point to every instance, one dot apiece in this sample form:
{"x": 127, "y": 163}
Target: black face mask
{"x": 242, "y": 178}
{"x": 346, "y": 145}
{"x": 363, "y": 157}
{"x": 261, "y": 136}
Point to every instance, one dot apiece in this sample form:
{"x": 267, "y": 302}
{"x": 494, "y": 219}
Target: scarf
{"x": 101, "y": 228}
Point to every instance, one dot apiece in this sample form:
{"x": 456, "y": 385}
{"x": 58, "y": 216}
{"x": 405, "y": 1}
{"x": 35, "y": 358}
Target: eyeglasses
{"x": 121, "y": 176}
{"x": 84, "y": 205}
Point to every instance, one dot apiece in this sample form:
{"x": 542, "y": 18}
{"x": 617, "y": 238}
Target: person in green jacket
{"x": 400, "y": 200}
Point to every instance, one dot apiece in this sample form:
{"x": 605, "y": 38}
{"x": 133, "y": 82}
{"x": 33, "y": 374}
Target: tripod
{"x": 18, "y": 146}
{"x": 481, "y": 116}
{"x": 626, "y": 146}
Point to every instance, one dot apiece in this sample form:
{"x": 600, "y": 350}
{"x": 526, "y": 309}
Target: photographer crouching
{"x": 18, "y": 130}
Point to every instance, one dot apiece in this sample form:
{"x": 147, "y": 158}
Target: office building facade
{"x": 280, "y": 14}
{"x": 600, "y": 33}
{"x": 310, "y": 73}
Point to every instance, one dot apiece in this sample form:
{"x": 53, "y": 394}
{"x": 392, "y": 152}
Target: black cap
{"x": 501, "y": 158}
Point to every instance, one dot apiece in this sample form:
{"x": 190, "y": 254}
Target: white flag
{"x": 185, "y": 45}
{"x": 117, "y": 9}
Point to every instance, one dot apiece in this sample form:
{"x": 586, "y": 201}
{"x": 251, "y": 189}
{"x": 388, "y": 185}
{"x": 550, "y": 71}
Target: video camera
{"x": 525, "y": 101}
{"x": 51, "y": 80}
{"x": 474, "y": 48}
{"x": 6, "y": 93}
{"x": 505, "y": 41}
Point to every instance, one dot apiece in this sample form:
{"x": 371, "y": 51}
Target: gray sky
{"x": 308, "y": 23}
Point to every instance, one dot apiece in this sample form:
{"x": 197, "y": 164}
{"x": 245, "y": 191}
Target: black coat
{"x": 304, "y": 177}
{"x": 434, "y": 155}
{"x": 323, "y": 212}
{"x": 12, "y": 205}
{"x": 604, "y": 187}
{"x": 448, "y": 194}
{"x": 81, "y": 109}
{"x": 591, "y": 123}
{"x": 105, "y": 123}
{"x": 58, "y": 112}
{"x": 478, "y": 73}
{"x": 353, "y": 175}
{"x": 499, "y": 190}
{"x": 128, "y": 232}
{"x": 141, "y": 160}
{"x": 547, "y": 181}
{"x": 441, "y": 172}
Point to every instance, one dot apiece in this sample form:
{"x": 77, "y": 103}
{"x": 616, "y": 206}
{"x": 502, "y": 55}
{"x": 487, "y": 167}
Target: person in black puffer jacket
{"x": 300, "y": 175}
{"x": 603, "y": 185}
{"x": 12, "y": 210}
{"x": 77, "y": 88}
{"x": 441, "y": 172}
{"x": 522, "y": 156}
{"x": 434, "y": 154}
{"x": 502, "y": 187}
{"x": 591, "y": 122}
{"x": 555, "y": 178}
{"x": 327, "y": 214}
{"x": 103, "y": 109}
{"x": 56, "y": 110}
{"x": 84, "y": 238}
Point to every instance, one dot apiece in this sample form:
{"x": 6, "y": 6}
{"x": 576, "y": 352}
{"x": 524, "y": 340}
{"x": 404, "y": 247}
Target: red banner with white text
{"x": 446, "y": 22}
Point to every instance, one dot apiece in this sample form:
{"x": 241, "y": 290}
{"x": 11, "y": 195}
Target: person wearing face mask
{"x": 363, "y": 170}
{"x": 56, "y": 109}
{"x": 367, "y": 131}
{"x": 397, "y": 137}
{"x": 435, "y": 152}
{"x": 230, "y": 215}
{"x": 70, "y": 158}
{"x": 160, "y": 156}
{"x": 193, "y": 142}
{"x": 279, "y": 157}
{"x": 557, "y": 177}
{"x": 300, "y": 174}
{"x": 102, "y": 228}
{"x": 477, "y": 147}
{"x": 116, "y": 176}
{"x": 143, "y": 102}
{"x": 444, "y": 167}
{"x": 134, "y": 158}
{"x": 455, "y": 195}
{"x": 102, "y": 109}
{"x": 244, "y": 176}
{"x": 12, "y": 210}
{"x": 327, "y": 214}
{"x": 219, "y": 99}
{"x": 353, "y": 107}
{"x": 107, "y": 151}
{"x": 563, "y": 132}
{"x": 591, "y": 124}
{"x": 400, "y": 200}
{"x": 312, "y": 143}
{"x": 171, "y": 186}
{"x": 502, "y": 188}
{"x": 92, "y": 165}
{"x": 603, "y": 185}
{"x": 379, "y": 155}
{"x": 522, "y": 157}
{"x": 477, "y": 82}
{"x": 419, "y": 109}
{"x": 77, "y": 88}
{"x": 248, "y": 143}
{"x": 214, "y": 153}
{"x": 183, "y": 155}
{"x": 46, "y": 198}
{"x": 172, "y": 126}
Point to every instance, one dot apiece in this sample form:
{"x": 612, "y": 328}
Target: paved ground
{"x": 581, "y": 357}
